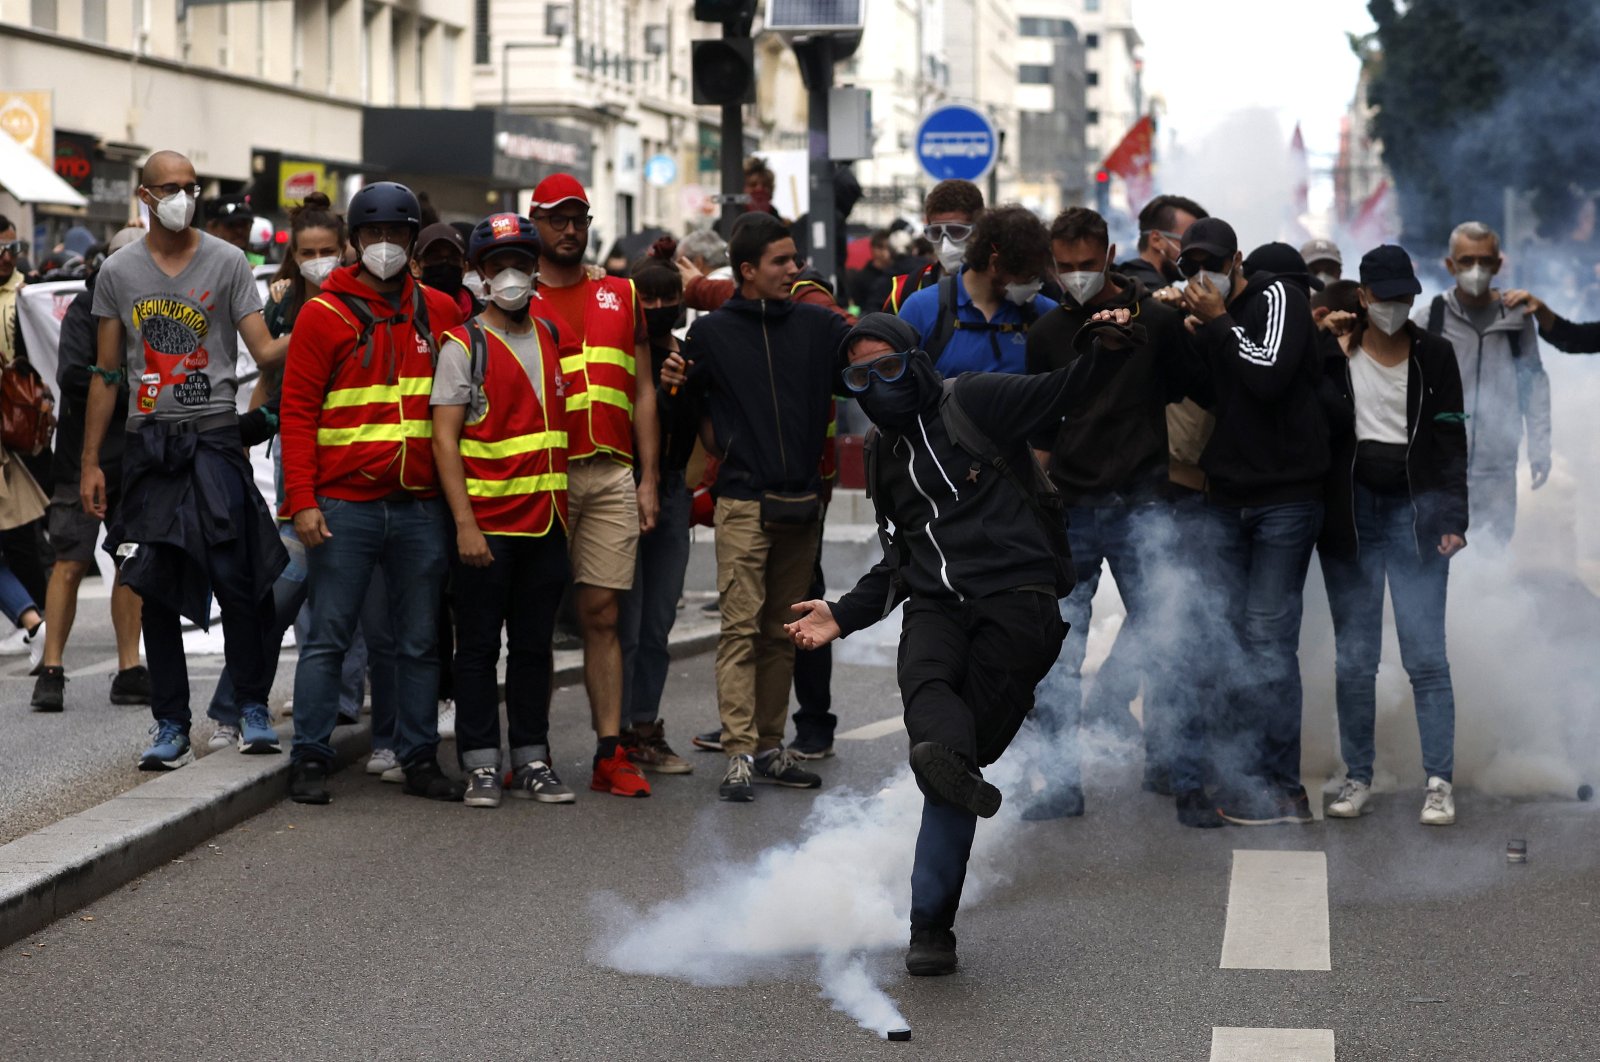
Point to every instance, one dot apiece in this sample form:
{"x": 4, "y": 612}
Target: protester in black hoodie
{"x": 1264, "y": 469}
{"x": 1397, "y": 513}
{"x": 1108, "y": 458}
{"x": 765, "y": 367}
{"x": 979, "y": 574}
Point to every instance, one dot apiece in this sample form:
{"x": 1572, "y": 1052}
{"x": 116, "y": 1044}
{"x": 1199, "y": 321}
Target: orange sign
{"x": 26, "y": 118}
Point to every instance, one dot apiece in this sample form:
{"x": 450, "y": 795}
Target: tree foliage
{"x": 1477, "y": 96}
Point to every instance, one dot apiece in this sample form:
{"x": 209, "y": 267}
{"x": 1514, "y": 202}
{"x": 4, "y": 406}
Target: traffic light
{"x": 724, "y": 71}
{"x": 724, "y": 10}
{"x": 1102, "y": 192}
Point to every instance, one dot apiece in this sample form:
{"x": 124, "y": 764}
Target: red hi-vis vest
{"x": 515, "y": 455}
{"x": 600, "y": 380}
{"x": 908, "y": 284}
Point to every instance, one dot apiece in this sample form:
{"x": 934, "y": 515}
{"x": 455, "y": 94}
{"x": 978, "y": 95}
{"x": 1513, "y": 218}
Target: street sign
{"x": 957, "y": 141}
{"x": 661, "y": 170}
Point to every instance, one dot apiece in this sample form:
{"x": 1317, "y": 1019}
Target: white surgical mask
{"x": 951, "y": 253}
{"x": 1022, "y": 294}
{"x": 1388, "y": 317}
{"x": 1327, "y": 278}
{"x": 473, "y": 281}
{"x": 176, "y": 211}
{"x": 1223, "y": 282}
{"x": 1474, "y": 281}
{"x": 1083, "y": 286}
{"x": 318, "y": 270}
{"x": 384, "y": 260}
{"x": 510, "y": 289}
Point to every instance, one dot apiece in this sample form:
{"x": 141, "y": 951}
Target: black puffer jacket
{"x": 1436, "y": 457}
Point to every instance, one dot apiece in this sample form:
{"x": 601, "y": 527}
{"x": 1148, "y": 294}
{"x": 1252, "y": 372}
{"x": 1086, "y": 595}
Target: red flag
{"x": 1374, "y": 222}
{"x": 1131, "y": 160}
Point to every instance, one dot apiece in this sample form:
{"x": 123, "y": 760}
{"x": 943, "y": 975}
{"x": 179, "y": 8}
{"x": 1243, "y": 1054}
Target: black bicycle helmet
{"x": 384, "y": 203}
{"x": 502, "y": 230}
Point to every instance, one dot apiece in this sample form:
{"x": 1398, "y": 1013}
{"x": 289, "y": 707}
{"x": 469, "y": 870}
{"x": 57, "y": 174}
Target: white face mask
{"x": 1474, "y": 281}
{"x": 1083, "y": 286}
{"x": 318, "y": 270}
{"x": 176, "y": 211}
{"x": 1223, "y": 282}
{"x": 510, "y": 289}
{"x": 951, "y": 253}
{"x": 1388, "y": 317}
{"x": 473, "y": 281}
{"x": 384, "y": 260}
{"x": 1022, "y": 294}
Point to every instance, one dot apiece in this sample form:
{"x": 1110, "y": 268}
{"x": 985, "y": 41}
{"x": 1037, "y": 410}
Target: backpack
{"x": 478, "y": 345}
{"x": 1436, "y": 325}
{"x": 27, "y": 410}
{"x": 949, "y": 322}
{"x": 1038, "y": 493}
{"x": 361, "y": 310}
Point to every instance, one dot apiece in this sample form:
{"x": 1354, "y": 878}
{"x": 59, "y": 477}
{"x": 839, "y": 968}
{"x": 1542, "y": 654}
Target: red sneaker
{"x": 618, "y": 776}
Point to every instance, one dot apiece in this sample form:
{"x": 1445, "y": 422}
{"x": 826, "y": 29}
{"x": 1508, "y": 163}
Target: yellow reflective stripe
{"x": 519, "y": 444}
{"x": 572, "y": 363}
{"x": 833, "y": 428}
{"x": 504, "y": 488}
{"x": 346, "y": 397}
{"x": 369, "y": 433}
{"x": 416, "y": 385}
{"x": 610, "y": 396}
{"x": 610, "y": 356}
{"x": 578, "y": 401}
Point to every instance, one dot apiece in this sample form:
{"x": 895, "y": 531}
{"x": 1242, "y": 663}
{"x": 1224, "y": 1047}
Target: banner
{"x": 1132, "y": 160}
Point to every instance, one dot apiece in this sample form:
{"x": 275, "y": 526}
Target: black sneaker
{"x": 811, "y": 748}
{"x": 131, "y": 686}
{"x": 736, "y": 785}
{"x": 780, "y": 768}
{"x": 932, "y": 953}
{"x": 308, "y": 782}
{"x": 1197, "y": 810}
{"x": 1157, "y": 780}
{"x": 944, "y": 772}
{"x": 50, "y": 692}
{"x": 1057, "y": 802}
{"x": 1269, "y": 807}
{"x": 710, "y": 741}
{"x": 427, "y": 779}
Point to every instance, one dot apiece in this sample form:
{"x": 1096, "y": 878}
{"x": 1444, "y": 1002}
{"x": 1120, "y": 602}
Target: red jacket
{"x": 703, "y": 293}
{"x": 358, "y": 431}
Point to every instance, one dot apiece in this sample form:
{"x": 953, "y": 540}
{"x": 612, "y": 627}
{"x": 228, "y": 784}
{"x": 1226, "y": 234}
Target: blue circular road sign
{"x": 957, "y": 141}
{"x": 661, "y": 170}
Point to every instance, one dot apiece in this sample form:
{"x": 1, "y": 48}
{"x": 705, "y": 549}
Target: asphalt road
{"x": 388, "y": 927}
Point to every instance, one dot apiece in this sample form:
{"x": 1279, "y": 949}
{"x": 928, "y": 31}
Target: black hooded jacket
{"x": 765, "y": 371}
{"x": 1436, "y": 456}
{"x": 1270, "y": 445}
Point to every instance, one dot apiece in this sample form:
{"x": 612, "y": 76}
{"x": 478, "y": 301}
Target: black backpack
{"x": 1038, "y": 493}
{"x": 948, "y": 323}
{"x": 361, "y": 310}
{"x": 478, "y": 345}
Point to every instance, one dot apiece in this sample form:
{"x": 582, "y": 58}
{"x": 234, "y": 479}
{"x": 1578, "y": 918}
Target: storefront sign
{"x": 26, "y": 118}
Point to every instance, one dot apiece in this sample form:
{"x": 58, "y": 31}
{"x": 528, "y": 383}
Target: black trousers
{"x": 814, "y": 721}
{"x": 967, "y": 674}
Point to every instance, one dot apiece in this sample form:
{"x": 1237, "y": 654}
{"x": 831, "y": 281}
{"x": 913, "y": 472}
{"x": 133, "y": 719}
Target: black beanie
{"x": 887, "y": 327}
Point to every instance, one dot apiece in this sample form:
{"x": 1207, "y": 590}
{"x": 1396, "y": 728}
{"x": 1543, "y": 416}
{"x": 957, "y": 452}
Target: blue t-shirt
{"x": 977, "y": 350}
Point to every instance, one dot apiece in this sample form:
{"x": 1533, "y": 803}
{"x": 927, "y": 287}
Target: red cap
{"x": 556, "y": 189}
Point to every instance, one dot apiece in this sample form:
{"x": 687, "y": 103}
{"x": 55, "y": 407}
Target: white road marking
{"x": 1277, "y": 912}
{"x": 882, "y": 728}
{"x": 1272, "y": 1045}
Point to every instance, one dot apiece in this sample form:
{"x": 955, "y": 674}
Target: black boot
{"x": 948, "y": 776}
{"x": 308, "y": 782}
{"x": 427, "y": 779}
{"x": 932, "y": 953}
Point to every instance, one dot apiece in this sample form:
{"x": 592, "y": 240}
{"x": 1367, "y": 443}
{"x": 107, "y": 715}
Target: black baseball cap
{"x": 1282, "y": 260}
{"x": 1212, "y": 236}
{"x": 440, "y": 232}
{"x": 1387, "y": 272}
{"x": 231, "y": 208}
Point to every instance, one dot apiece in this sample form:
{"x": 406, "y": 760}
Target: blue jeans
{"x": 1183, "y": 609}
{"x": 407, "y": 540}
{"x": 14, "y": 597}
{"x": 646, "y": 613}
{"x": 1417, "y": 585}
{"x": 944, "y": 844}
{"x": 1259, "y": 559}
{"x": 1114, "y": 535}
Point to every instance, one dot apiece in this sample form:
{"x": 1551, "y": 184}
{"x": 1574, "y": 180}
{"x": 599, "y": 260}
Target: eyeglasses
{"x": 1189, "y": 265}
{"x": 955, "y": 231}
{"x": 166, "y": 191}
{"x": 888, "y": 368}
{"x": 380, "y": 233}
{"x": 15, "y": 248}
{"x": 563, "y": 222}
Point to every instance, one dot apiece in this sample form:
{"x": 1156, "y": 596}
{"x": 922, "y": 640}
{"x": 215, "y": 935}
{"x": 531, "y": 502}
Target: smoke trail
{"x": 847, "y": 985}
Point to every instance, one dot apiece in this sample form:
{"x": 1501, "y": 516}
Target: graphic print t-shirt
{"x": 182, "y": 332}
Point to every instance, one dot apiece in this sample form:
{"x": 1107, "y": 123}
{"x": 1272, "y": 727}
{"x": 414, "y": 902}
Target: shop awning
{"x": 30, "y": 181}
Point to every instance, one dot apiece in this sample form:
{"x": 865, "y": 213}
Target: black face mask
{"x": 895, "y": 405}
{"x": 443, "y": 276}
{"x": 662, "y": 320}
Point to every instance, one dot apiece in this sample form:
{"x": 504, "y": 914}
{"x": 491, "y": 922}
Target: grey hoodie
{"x": 1500, "y": 393}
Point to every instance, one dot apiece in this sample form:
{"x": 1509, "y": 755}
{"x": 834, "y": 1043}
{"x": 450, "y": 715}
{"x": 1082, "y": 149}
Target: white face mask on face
{"x": 1022, "y": 294}
{"x": 510, "y": 289}
{"x": 1388, "y": 317}
{"x": 318, "y": 270}
{"x": 175, "y": 212}
{"x": 951, "y": 253}
{"x": 1083, "y": 286}
{"x": 384, "y": 260}
{"x": 1474, "y": 281}
{"x": 473, "y": 281}
{"x": 1223, "y": 282}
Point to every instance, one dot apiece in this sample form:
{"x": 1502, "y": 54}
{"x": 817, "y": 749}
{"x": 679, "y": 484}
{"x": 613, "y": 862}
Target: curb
{"x": 53, "y": 871}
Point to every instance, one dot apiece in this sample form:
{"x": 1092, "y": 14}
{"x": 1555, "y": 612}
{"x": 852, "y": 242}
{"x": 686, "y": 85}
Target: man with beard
{"x": 1162, "y": 223}
{"x": 611, "y": 427}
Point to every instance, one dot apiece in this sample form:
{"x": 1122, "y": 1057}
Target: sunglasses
{"x": 1192, "y": 264}
{"x": 888, "y": 368}
{"x": 15, "y": 248}
{"x": 955, "y": 230}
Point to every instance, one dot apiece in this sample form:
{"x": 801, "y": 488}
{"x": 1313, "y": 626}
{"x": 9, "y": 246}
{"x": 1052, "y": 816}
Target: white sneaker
{"x": 224, "y": 737}
{"x": 35, "y": 644}
{"x": 395, "y": 774}
{"x": 15, "y": 643}
{"x": 382, "y": 760}
{"x": 447, "y": 720}
{"x": 1351, "y": 803}
{"x": 1439, "y": 809}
